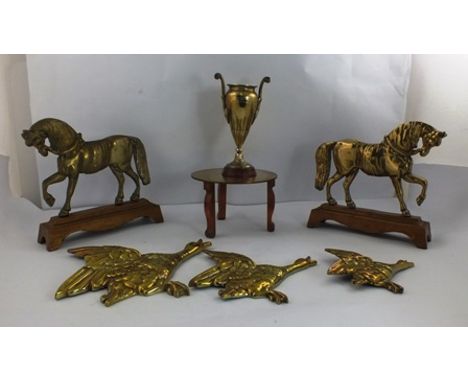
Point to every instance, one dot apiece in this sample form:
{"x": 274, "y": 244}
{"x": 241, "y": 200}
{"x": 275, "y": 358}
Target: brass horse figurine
{"x": 391, "y": 157}
{"x": 76, "y": 156}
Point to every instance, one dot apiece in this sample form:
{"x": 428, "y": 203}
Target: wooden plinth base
{"x": 104, "y": 218}
{"x": 374, "y": 222}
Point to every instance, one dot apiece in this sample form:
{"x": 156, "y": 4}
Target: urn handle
{"x": 218, "y": 76}
{"x": 264, "y": 79}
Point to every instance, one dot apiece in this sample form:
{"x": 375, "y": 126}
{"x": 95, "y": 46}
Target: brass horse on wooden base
{"x": 391, "y": 157}
{"x": 76, "y": 156}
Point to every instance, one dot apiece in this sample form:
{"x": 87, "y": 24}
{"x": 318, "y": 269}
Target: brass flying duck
{"x": 363, "y": 270}
{"x": 239, "y": 276}
{"x": 125, "y": 272}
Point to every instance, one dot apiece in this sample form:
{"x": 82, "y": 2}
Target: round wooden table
{"x": 213, "y": 176}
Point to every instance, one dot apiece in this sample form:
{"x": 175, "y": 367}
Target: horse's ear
{"x": 442, "y": 134}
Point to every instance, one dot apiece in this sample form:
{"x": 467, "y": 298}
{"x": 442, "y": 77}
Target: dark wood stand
{"x": 373, "y": 222}
{"x": 211, "y": 177}
{"x": 104, "y": 218}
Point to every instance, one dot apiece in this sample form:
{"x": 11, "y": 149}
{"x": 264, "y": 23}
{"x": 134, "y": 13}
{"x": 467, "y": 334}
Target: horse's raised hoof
{"x": 135, "y": 198}
{"x": 420, "y": 200}
{"x": 50, "y": 200}
{"x": 351, "y": 204}
{"x": 64, "y": 213}
{"x": 332, "y": 202}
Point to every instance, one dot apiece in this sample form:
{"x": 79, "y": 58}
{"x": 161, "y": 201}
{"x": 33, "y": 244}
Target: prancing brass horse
{"x": 76, "y": 156}
{"x": 391, "y": 157}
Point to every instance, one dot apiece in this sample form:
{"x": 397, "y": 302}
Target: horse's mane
{"x": 50, "y": 124}
{"x": 406, "y": 135}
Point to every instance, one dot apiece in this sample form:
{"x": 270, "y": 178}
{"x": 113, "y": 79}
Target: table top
{"x": 215, "y": 175}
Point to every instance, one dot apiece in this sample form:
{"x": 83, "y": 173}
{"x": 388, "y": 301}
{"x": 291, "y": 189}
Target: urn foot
{"x": 232, "y": 170}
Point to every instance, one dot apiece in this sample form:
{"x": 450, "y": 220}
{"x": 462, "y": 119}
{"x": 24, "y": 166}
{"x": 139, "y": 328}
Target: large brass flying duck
{"x": 126, "y": 273}
{"x": 363, "y": 270}
{"x": 239, "y": 276}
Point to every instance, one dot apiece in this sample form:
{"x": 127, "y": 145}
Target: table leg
{"x": 222, "y": 201}
{"x": 270, "y": 205}
{"x": 210, "y": 209}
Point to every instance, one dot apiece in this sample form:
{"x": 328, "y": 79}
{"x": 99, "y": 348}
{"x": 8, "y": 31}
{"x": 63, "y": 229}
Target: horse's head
{"x": 60, "y": 136}
{"x": 405, "y": 138}
{"x": 430, "y": 138}
{"x": 36, "y": 138}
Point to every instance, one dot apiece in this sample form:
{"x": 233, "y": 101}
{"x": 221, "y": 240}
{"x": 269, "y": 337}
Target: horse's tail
{"x": 322, "y": 160}
{"x": 139, "y": 154}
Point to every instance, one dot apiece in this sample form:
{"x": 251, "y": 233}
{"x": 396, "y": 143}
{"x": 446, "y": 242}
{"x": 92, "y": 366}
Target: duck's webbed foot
{"x": 176, "y": 289}
{"x": 393, "y": 287}
{"x": 277, "y": 297}
{"x": 117, "y": 292}
{"x": 229, "y": 293}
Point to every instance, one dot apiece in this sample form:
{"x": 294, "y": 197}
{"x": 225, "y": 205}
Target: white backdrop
{"x": 14, "y": 116}
{"x": 173, "y": 104}
{"x": 438, "y": 94}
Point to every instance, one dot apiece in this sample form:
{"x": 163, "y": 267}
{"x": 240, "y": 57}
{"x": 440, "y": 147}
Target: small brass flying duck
{"x": 365, "y": 271}
{"x": 239, "y": 276}
{"x": 125, "y": 272}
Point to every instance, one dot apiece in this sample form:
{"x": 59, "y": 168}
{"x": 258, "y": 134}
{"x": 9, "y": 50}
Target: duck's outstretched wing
{"x": 229, "y": 266}
{"x": 341, "y": 253}
{"x": 102, "y": 263}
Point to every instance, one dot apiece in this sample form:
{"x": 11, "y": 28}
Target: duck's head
{"x": 197, "y": 246}
{"x": 301, "y": 263}
{"x": 305, "y": 262}
{"x": 405, "y": 264}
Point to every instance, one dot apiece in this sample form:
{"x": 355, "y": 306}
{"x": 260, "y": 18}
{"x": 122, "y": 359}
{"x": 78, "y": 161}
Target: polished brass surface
{"x": 365, "y": 271}
{"x": 239, "y": 276}
{"x": 391, "y": 157}
{"x": 241, "y": 105}
{"x": 127, "y": 273}
{"x": 215, "y": 175}
{"x": 76, "y": 156}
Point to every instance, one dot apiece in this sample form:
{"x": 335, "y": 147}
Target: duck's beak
{"x": 204, "y": 244}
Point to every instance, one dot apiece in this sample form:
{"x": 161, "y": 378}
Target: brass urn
{"x": 241, "y": 104}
